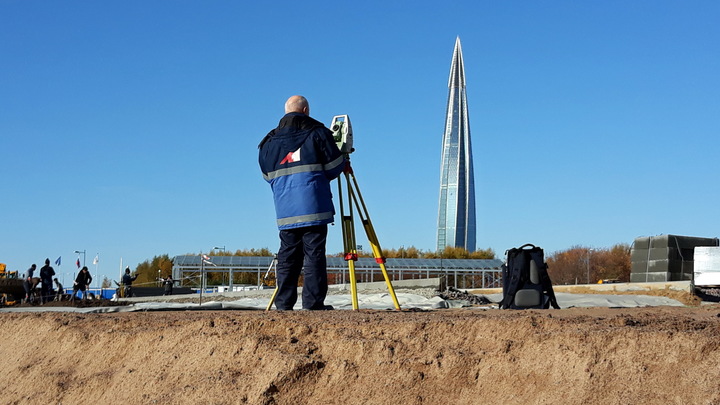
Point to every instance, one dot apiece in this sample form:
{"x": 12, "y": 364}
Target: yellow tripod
{"x": 354, "y": 199}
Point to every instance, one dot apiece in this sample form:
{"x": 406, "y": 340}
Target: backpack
{"x": 526, "y": 283}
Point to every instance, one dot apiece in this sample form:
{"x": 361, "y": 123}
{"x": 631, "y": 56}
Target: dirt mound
{"x": 78, "y": 303}
{"x": 682, "y": 296}
{"x": 455, "y": 294}
{"x": 570, "y": 356}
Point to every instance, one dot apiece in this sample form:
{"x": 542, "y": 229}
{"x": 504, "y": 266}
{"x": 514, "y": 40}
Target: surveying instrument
{"x": 351, "y": 200}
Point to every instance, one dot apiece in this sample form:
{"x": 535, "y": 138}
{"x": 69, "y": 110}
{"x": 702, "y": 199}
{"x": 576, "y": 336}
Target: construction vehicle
{"x": 11, "y": 287}
{"x": 7, "y": 274}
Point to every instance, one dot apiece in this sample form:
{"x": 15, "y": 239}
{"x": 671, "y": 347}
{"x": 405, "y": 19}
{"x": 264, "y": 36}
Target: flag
{"x": 206, "y": 260}
{"x": 96, "y": 259}
{"x": 78, "y": 262}
{"x": 58, "y": 261}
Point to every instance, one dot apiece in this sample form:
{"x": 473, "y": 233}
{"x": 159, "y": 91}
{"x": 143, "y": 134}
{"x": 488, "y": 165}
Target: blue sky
{"x": 130, "y": 129}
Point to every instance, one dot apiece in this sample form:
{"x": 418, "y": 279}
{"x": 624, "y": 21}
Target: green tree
{"x": 452, "y": 252}
{"x": 483, "y": 254}
{"x": 149, "y": 270}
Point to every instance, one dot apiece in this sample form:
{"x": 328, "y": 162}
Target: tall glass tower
{"x": 456, "y": 213}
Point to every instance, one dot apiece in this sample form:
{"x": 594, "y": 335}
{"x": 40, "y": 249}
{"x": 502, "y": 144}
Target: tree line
{"x": 581, "y": 265}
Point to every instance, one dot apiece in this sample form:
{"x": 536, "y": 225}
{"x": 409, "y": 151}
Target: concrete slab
{"x": 665, "y": 285}
{"x": 369, "y": 301}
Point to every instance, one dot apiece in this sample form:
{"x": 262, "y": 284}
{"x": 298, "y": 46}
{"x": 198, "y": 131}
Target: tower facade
{"x": 456, "y": 213}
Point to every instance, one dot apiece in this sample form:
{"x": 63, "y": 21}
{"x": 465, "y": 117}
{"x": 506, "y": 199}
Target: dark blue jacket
{"x": 299, "y": 158}
{"x": 127, "y": 279}
{"x": 46, "y": 274}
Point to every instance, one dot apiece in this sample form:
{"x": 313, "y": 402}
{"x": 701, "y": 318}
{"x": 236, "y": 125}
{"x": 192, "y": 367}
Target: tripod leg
{"x": 377, "y": 253}
{"x": 349, "y": 242}
{"x": 372, "y": 237}
{"x": 353, "y": 284}
{"x": 272, "y": 299}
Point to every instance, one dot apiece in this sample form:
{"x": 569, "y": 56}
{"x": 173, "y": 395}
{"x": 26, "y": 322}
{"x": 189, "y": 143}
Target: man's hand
{"x": 347, "y": 169}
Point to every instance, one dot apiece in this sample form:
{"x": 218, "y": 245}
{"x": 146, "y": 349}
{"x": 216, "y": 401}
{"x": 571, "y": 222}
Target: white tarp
{"x": 368, "y": 301}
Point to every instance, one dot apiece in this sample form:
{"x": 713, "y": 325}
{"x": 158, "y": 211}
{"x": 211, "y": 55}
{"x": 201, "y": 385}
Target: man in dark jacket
{"x": 127, "y": 281}
{"x": 168, "y": 283}
{"x": 46, "y": 276}
{"x": 299, "y": 158}
{"x": 82, "y": 282}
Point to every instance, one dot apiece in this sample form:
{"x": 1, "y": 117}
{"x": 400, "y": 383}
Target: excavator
{"x": 11, "y": 287}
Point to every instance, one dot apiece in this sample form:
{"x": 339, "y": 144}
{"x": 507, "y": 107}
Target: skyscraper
{"x": 456, "y": 213}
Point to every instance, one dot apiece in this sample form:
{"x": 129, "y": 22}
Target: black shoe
{"x": 321, "y": 308}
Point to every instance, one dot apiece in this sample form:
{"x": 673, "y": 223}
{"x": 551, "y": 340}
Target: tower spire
{"x": 456, "y": 212}
{"x": 457, "y": 67}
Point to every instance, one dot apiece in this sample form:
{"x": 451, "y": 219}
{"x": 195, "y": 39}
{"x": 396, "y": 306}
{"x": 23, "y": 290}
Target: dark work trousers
{"x": 302, "y": 247}
{"x": 46, "y": 290}
{"x": 28, "y": 287}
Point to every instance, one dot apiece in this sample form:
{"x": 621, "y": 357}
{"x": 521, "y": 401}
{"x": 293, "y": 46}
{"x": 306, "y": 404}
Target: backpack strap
{"x": 545, "y": 281}
{"x": 513, "y": 272}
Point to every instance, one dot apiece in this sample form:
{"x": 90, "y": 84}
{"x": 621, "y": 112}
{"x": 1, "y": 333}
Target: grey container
{"x": 642, "y": 242}
{"x": 682, "y": 242}
{"x": 638, "y": 255}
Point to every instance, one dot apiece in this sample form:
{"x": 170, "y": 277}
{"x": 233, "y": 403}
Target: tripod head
{"x": 342, "y": 133}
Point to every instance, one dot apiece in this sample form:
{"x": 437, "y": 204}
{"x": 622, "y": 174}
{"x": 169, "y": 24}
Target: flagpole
{"x": 202, "y": 276}
{"x": 97, "y": 275}
{"x": 58, "y": 262}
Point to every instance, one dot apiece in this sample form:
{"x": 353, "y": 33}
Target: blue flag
{"x": 57, "y": 262}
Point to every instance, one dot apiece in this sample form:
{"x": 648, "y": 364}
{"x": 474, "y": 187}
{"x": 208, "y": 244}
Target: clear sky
{"x": 129, "y": 129}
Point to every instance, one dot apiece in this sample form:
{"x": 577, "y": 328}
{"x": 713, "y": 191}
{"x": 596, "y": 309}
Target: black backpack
{"x": 526, "y": 283}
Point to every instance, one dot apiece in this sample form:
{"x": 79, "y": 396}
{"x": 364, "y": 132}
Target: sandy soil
{"x": 655, "y": 355}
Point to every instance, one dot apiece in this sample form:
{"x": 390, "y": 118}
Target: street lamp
{"x": 588, "y": 264}
{"x": 223, "y": 250}
{"x": 83, "y": 253}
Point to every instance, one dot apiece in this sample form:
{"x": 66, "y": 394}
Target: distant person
{"x": 60, "y": 290}
{"x": 46, "y": 276}
{"x": 82, "y": 282}
{"x": 168, "y": 284}
{"x": 127, "y": 281}
{"x": 28, "y": 282}
{"x": 299, "y": 158}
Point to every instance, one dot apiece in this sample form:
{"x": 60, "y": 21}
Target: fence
{"x": 457, "y": 273}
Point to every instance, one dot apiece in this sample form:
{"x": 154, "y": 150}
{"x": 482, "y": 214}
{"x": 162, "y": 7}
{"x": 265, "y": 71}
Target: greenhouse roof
{"x": 339, "y": 262}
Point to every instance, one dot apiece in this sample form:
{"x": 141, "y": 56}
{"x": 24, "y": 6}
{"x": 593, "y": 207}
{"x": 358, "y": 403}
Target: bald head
{"x": 297, "y": 104}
